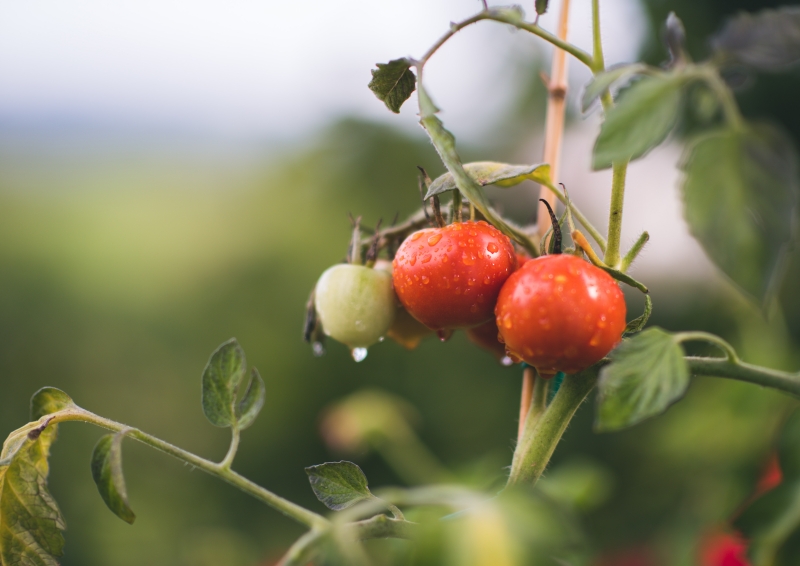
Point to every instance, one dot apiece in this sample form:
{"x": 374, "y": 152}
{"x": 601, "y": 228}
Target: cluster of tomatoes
{"x": 556, "y": 312}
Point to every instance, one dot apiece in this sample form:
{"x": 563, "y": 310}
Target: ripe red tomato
{"x": 450, "y": 277}
{"x": 560, "y": 313}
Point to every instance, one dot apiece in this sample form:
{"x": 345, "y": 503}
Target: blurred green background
{"x": 121, "y": 273}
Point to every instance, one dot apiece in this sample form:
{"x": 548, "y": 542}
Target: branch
{"x": 291, "y": 510}
{"x": 740, "y": 371}
{"x": 504, "y": 17}
{"x": 542, "y": 435}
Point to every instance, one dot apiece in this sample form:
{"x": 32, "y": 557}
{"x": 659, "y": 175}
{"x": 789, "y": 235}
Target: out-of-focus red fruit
{"x": 721, "y": 548}
{"x": 485, "y": 336}
{"x": 407, "y": 330}
{"x": 771, "y": 477}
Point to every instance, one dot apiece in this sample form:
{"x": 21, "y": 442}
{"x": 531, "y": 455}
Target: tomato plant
{"x": 560, "y": 312}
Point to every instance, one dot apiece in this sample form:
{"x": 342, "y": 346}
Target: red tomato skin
{"x": 560, "y": 313}
{"x": 450, "y": 277}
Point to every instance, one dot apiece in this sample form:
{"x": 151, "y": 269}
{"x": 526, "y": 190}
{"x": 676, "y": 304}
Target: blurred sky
{"x": 263, "y": 69}
{"x": 172, "y": 75}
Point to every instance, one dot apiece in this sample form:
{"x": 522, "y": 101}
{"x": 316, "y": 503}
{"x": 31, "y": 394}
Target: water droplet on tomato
{"x": 359, "y": 354}
{"x": 473, "y": 308}
{"x": 416, "y": 236}
{"x": 413, "y": 259}
{"x": 473, "y": 233}
{"x": 433, "y": 240}
{"x": 468, "y": 259}
{"x": 425, "y": 279}
{"x": 492, "y": 248}
{"x": 444, "y": 334}
{"x": 318, "y": 349}
{"x": 487, "y": 280}
{"x": 507, "y": 361}
{"x": 426, "y": 258}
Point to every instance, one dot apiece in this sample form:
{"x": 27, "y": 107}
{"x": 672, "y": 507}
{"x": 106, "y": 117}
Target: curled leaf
{"x": 30, "y": 520}
{"x": 107, "y": 475}
{"x": 393, "y": 83}
{"x": 491, "y": 173}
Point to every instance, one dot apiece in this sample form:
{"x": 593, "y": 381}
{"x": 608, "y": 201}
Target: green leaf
{"x": 772, "y": 523}
{"x": 646, "y": 375}
{"x": 541, "y": 7}
{"x": 766, "y": 41}
{"x": 253, "y": 400}
{"x": 637, "y": 324}
{"x": 107, "y": 474}
{"x": 338, "y": 485}
{"x": 221, "y": 379}
{"x": 393, "y": 83}
{"x": 603, "y": 81}
{"x": 49, "y": 400}
{"x": 644, "y": 115}
{"x": 740, "y": 198}
{"x": 30, "y": 520}
{"x": 491, "y": 173}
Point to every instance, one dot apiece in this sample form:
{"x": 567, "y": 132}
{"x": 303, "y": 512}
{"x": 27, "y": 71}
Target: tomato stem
{"x": 619, "y": 172}
{"x": 542, "y": 435}
{"x": 221, "y": 471}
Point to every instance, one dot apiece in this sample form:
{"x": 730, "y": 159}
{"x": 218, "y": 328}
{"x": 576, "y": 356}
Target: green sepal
{"x": 637, "y": 324}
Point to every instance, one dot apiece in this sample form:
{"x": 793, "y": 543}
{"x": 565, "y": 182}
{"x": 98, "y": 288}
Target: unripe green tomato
{"x": 355, "y": 304}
